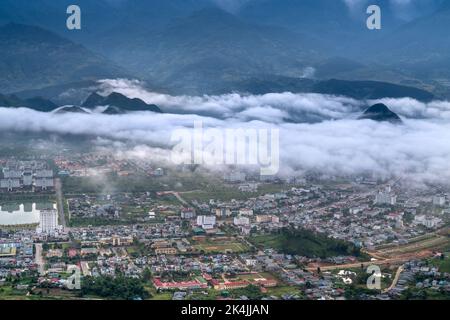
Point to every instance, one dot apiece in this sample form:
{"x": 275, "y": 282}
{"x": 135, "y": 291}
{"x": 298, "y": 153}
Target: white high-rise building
{"x": 48, "y": 221}
{"x": 439, "y": 201}
{"x": 206, "y": 222}
{"x": 385, "y": 198}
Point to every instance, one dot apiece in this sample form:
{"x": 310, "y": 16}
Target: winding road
{"x": 396, "y": 278}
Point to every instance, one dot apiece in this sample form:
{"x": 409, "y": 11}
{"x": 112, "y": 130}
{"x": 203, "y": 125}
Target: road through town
{"x": 59, "y": 199}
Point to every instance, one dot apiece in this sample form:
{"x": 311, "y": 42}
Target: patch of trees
{"x": 310, "y": 244}
{"x": 120, "y": 287}
{"x": 252, "y": 292}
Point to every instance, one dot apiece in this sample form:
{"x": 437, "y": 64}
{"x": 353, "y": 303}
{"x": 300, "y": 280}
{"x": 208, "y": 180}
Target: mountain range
{"x": 208, "y": 46}
{"x": 118, "y": 103}
{"x": 35, "y": 103}
{"x": 361, "y": 90}
{"x": 32, "y": 57}
{"x": 114, "y": 103}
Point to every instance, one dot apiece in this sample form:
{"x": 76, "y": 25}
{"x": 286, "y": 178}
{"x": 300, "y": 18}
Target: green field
{"x": 267, "y": 241}
{"x": 139, "y": 182}
{"x": 442, "y": 264}
{"x": 222, "y": 192}
{"x": 284, "y": 290}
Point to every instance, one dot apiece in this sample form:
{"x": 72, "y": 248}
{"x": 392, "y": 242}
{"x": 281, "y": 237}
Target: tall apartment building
{"x": 48, "y": 221}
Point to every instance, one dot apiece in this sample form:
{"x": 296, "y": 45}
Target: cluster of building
{"x": 26, "y": 176}
{"x": 101, "y": 163}
{"x": 90, "y": 207}
{"x": 204, "y": 244}
{"x": 416, "y": 281}
{"x": 16, "y": 253}
{"x": 358, "y": 213}
{"x": 145, "y": 234}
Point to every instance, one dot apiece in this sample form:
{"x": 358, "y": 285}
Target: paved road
{"x": 176, "y": 195}
{"x": 39, "y": 259}
{"x": 396, "y": 278}
{"x": 59, "y": 201}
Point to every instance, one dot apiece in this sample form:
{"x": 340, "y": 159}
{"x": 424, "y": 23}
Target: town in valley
{"x": 136, "y": 230}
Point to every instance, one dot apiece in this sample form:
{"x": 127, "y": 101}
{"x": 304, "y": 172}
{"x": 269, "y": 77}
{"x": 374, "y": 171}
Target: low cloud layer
{"x": 340, "y": 145}
{"x": 279, "y": 107}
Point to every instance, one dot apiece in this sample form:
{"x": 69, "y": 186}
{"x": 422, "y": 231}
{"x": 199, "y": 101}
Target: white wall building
{"x": 44, "y": 183}
{"x": 385, "y": 198}
{"x": 241, "y": 221}
{"x": 206, "y": 222}
{"x": 432, "y": 222}
{"x": 245, "y": 212}
{"x": 223, "y": 212}
{"x": 9, "y": 184}
{"x": 48, "y": 221}
{"x": 429, "y": 222}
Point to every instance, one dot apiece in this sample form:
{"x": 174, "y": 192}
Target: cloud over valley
{"x": 331, "y": 141}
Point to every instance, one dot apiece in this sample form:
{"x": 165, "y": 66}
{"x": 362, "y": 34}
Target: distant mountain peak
{"x": 380, "y": 112}
{"x": 120, "y": 102}
{"x": 93, "y": 100}
{"x": 111, "y": 110}
{"x": 70, "y": 109}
